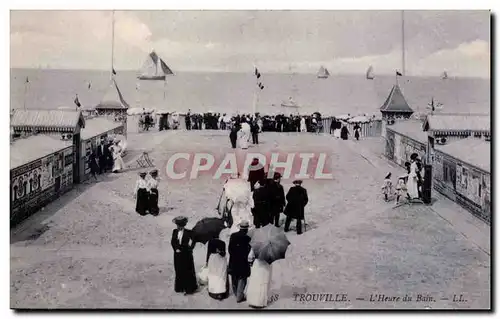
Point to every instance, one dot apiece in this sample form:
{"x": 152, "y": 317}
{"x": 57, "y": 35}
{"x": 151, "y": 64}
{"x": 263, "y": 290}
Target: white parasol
{"x": 359, "y": 119}
{"x": 343, "y": 117}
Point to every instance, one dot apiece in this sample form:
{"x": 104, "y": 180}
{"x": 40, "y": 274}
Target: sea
{"x": 235, "y": 92}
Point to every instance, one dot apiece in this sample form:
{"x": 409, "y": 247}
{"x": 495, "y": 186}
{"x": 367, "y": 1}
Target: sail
{"x": 369, "y": 73}
{"x": 290, "y": 103}
{"x": 323, "y": 73}
{"x": 154, "y": 68}
{"x": 444, "y": 76}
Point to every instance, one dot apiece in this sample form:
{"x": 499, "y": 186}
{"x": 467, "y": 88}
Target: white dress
{"x": 259, "y": 283}
{"x": 411, "y": 185}
{"x": 244, "y": 135}
{"x": 118, "y": 163}
{"x": 303, "y": 127}
{"x": 217, "y": 274}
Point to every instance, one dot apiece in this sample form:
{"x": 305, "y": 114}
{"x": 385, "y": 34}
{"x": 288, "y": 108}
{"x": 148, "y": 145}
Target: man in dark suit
{"x": 102, "y": 155}
{"x": 297, "y": 200}
{"x": 183, "y": 243}
{"x": 255, "y": 131}
{"x": 277, "y": 198}
{"x": 239, "y": 267}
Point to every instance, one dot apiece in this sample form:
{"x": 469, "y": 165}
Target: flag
{"x": 77, "y": 102}
{"x": 257, "y": 75}
{"x": 398, "y": 73}
{"x": 113, "y": 70}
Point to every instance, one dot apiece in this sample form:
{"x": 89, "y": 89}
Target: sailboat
{"x": 444, "y": 75}
{"x": 154, "y": 69}
{"x": 369, "y": 73}
{"x": 323, "y": 73}
{"x": 291, "y": 103}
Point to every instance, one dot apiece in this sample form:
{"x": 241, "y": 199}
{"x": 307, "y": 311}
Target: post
{"x": 254, "y": 108}
{"x": 112, "y": 42}
{"x": 25, "y": 93}
{"x": 403, "y": 40}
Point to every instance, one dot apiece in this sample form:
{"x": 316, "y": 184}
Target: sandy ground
{"x": 91, "y": 250}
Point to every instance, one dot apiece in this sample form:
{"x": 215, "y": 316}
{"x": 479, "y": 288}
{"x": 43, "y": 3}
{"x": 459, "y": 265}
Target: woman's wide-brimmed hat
{"x": 244, "y": 224}
{"x": 142, "y": 174}
{"x": 388, "y": 175}
{"x": 180, "y": 220}
{"x": 154, "y": 172}
{"x": 297, "y": 182}
{"x": 413, "y": 156}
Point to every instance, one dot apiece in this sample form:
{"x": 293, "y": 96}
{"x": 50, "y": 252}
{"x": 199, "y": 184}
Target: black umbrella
{"x": 269, "y": 243}
{"x": 208, "y": 228}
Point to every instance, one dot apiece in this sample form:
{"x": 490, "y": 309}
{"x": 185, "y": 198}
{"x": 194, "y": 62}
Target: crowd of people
{"x": 246, "y": 276}
{"x": 105, "y": 157}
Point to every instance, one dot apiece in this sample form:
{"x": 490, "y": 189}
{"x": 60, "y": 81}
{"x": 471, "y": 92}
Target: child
{"x": 400, "y": 188}
{"x": 387, "y": 186}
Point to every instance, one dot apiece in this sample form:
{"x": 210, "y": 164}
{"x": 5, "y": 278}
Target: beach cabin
{"x": 41, "y": 170}
{"x": 403, "y": 139}
{"x": 462, "y": 172}
{"x": 95, "y": 129}
{"x": 113, "y": 105}
{"x": 395, "y": 108}
{"x": 62, "y": 124}
{"x": 443, "y": 127}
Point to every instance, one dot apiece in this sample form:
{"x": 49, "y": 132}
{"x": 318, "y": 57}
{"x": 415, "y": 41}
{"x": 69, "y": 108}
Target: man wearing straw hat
{"x": 183, "y": 243}
{"x": 238, "y": 267}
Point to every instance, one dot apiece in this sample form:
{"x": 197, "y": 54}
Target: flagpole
{"x": 112, "y": 42}
{"x": 25, "y": 92}
{"x": 403, "y": 40}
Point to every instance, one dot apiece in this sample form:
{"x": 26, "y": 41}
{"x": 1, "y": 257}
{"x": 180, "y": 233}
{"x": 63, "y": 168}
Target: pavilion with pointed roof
{"x": 395, "y": 106}
{"x": 114, "y": 105}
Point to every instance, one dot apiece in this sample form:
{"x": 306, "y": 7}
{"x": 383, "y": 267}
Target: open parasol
{"x": 208, "y": 228}
{"x": 269, "y": 243}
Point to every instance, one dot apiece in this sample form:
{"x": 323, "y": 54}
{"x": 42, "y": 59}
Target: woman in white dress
{"x": 259, "y": 283}
{"x": 118, "y": 163}
{"x": 238, "y": 192}
{"x": 303, "y": 127}
{"x": 218, "y": 284}
{"x": 244, "y": 135}
{"x": 411, "y": 184}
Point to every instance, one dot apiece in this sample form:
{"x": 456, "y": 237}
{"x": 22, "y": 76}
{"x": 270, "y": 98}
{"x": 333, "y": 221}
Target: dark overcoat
{"x": 296, "y": 202}
{"x": 239, "y": 248}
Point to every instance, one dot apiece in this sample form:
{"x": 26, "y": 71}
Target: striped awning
{"x": 47, "y": 120}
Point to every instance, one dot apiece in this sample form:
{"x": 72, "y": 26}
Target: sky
{"x": 346, "y": 42}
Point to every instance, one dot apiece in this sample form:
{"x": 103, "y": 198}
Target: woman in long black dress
{"x": 141, "y": 195}
{"x": 153, "y": 193}
{"x": 183, "y": 243}
{"x": 344, "y": 132}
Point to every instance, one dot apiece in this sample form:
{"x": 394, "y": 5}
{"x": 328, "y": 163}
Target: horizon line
{"x": 241, "y": 72}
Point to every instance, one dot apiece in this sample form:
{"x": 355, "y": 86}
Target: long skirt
{"x": 153, "y": 202}
{"x": 118, "y": 164}
{"x": 218, "y": 284}
{"x": 185, "y": 275}
{"x": 259, "y": 284}
{"x": 244, "y": 137}
{"x": 142, "y": 201}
